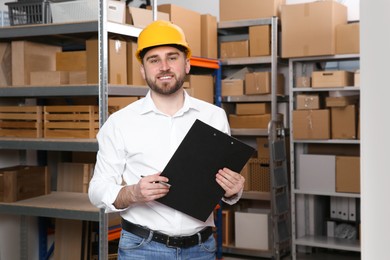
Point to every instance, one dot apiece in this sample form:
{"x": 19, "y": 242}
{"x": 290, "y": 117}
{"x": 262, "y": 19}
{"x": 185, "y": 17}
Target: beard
{"x": 165, "y": 88}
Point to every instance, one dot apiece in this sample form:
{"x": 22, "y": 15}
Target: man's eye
{"x": 153, "y": 60}
{"x": 173, "y": 58}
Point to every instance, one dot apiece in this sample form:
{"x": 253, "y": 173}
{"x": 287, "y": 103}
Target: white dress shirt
{"x": 140, "y": 140}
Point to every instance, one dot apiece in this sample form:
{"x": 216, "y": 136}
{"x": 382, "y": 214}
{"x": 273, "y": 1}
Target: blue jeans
{"x": 132, "y": 247}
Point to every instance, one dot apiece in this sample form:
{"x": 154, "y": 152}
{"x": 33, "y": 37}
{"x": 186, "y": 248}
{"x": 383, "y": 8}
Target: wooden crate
{"x": 21, "y": 121}
{"x": 23, "y": 182}
{"x": 70, "y": 121}
{"x": 227, "y": 227}
{"x": 259, "y": 174}
{"x": 74, "y": 177}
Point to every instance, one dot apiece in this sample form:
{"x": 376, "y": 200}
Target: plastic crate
{"x": 74, "y": 11}
{"x": 31, "y": 12}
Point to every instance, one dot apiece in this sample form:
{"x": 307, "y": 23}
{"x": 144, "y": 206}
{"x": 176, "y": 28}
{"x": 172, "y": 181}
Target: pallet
{"x": 70, "y": 121}
{"x": 21, "y": 121}
{"x": 23, "y": 182}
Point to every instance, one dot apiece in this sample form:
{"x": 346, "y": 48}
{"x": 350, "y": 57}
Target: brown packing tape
{"x": 309, "y": 120}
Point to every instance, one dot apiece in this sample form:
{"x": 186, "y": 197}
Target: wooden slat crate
{"x": 70, "y": 121}
{"x": 23, "y": 182}
{"x": 21, "y": 121}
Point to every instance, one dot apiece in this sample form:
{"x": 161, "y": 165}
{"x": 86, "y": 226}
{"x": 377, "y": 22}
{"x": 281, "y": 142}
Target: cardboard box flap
{"x": 140, "y": 17}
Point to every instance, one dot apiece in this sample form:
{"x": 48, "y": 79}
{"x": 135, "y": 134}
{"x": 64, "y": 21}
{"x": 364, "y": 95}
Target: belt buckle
{"x": 168, "y": 245}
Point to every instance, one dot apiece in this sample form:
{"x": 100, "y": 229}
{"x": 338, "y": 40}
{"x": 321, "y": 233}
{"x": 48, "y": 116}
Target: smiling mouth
{"x": 165, "y": 77}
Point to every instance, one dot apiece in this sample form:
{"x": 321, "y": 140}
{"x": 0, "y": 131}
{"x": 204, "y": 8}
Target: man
{"x": 137, "y": 142}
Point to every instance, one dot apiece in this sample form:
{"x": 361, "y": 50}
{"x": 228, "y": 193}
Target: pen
{"x": 161, "y": 182}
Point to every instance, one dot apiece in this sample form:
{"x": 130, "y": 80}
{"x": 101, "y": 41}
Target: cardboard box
{"x": 71, "y": 61}
{"x": 31, "y": 56}
{"x": 341, "y": 101}
{"x": 348, "y": 174}
{"x": 309, "y": 29}
{"x": 202, "y": 87}
{"x": 260, "y": 83}
{"x": 348, "y": 38}
{"x": 23, "y": 182}
{"x": 234, "y": 49}
{"x": 117, "y": 61}
{"x": 189, "y": 21}
{"x": 260, "y": 40}
{"x": 232, "y": 87}
{"x": 344, "y": 122}
{"x": 245, "y": 173}
{"x": 251, "y": 121}
{"x": 140, "y": 17}
{"x": 311, "y": 124}
{"x": 331, "y": 79}
{"x": 117, "y": 103}
{"x": 316, "y": 173}
{"x": 252, "y": 229}
{"x": 356, "y": 80}
{"x": 117, "y": 12}
{"x": 49, "y": 78}
{"x": 5, "y": 64}
{"x": 134, "y": 76}
{"x": 230, "y": 10}
{"x": 253, "y": 108}
{"x": 262, "y": 147}
{"x": 308, "y": 101}
{"x": 209, "y": 43}
{"x": 303, "y": 82}
{"x": 78, "y": 77}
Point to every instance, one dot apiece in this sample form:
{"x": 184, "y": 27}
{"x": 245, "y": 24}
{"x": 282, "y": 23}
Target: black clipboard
{"x": 193, "y": 166}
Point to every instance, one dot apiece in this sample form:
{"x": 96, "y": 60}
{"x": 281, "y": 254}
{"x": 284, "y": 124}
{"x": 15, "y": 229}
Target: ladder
{"x": 280, "y": 206}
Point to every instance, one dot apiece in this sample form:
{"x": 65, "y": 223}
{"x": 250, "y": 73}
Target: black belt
{"x": 169, "y": 241}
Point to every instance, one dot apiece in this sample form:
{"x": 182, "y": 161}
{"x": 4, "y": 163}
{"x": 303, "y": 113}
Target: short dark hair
{"x": 177, "y": 46}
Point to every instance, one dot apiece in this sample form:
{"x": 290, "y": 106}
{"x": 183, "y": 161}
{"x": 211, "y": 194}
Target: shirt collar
{"x": 149, "y": 106}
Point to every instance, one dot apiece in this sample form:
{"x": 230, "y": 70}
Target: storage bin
{"x": 21, "y": 121}
{"x": 74, "y": 11}
{"x": 29, "y": 12}
{"x": 70, "y": 121}
{"x": 23, "y": 182}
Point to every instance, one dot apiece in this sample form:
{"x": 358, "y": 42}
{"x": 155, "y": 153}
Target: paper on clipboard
{"x": 192, "y": 169}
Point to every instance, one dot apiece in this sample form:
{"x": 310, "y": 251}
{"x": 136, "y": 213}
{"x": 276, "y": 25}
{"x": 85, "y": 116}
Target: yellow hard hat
{"x": 161, "y": 33}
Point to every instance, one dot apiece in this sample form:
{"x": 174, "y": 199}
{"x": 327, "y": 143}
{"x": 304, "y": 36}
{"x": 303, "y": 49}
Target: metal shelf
{"x": 328, "y": 141}
{"x": 230, "y": 249}
{"x": 343, "y": 57}
{"x": 49, "y": 144}
{"x": 256, "y": 195}
{"x": 336, "y": 194}
{"x": 69, "y": 205}
{"x": 253, "y": 98}
{"x": 244, "y": 23}
{"x": 247, "y": 60}
{"x": 71, "y": 90}
{"x": 346, "y": 88}
{"x": 249, "y": 132}
{"x": 329, "y": 242}
{"x": 65, "y": 28}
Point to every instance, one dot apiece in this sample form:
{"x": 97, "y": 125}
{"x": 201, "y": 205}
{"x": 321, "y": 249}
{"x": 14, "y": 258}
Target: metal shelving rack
{"x": 227, "y": 29}
{"x": 66, "y": 204}
{"x": 307, "y": 241}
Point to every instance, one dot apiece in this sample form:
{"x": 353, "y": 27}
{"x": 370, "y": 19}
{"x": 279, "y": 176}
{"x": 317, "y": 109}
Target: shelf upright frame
{"x": 103, "y": 111}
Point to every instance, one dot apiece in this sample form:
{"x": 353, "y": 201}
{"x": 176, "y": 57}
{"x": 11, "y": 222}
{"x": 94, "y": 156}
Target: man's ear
{"x": 142, "y": 70}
